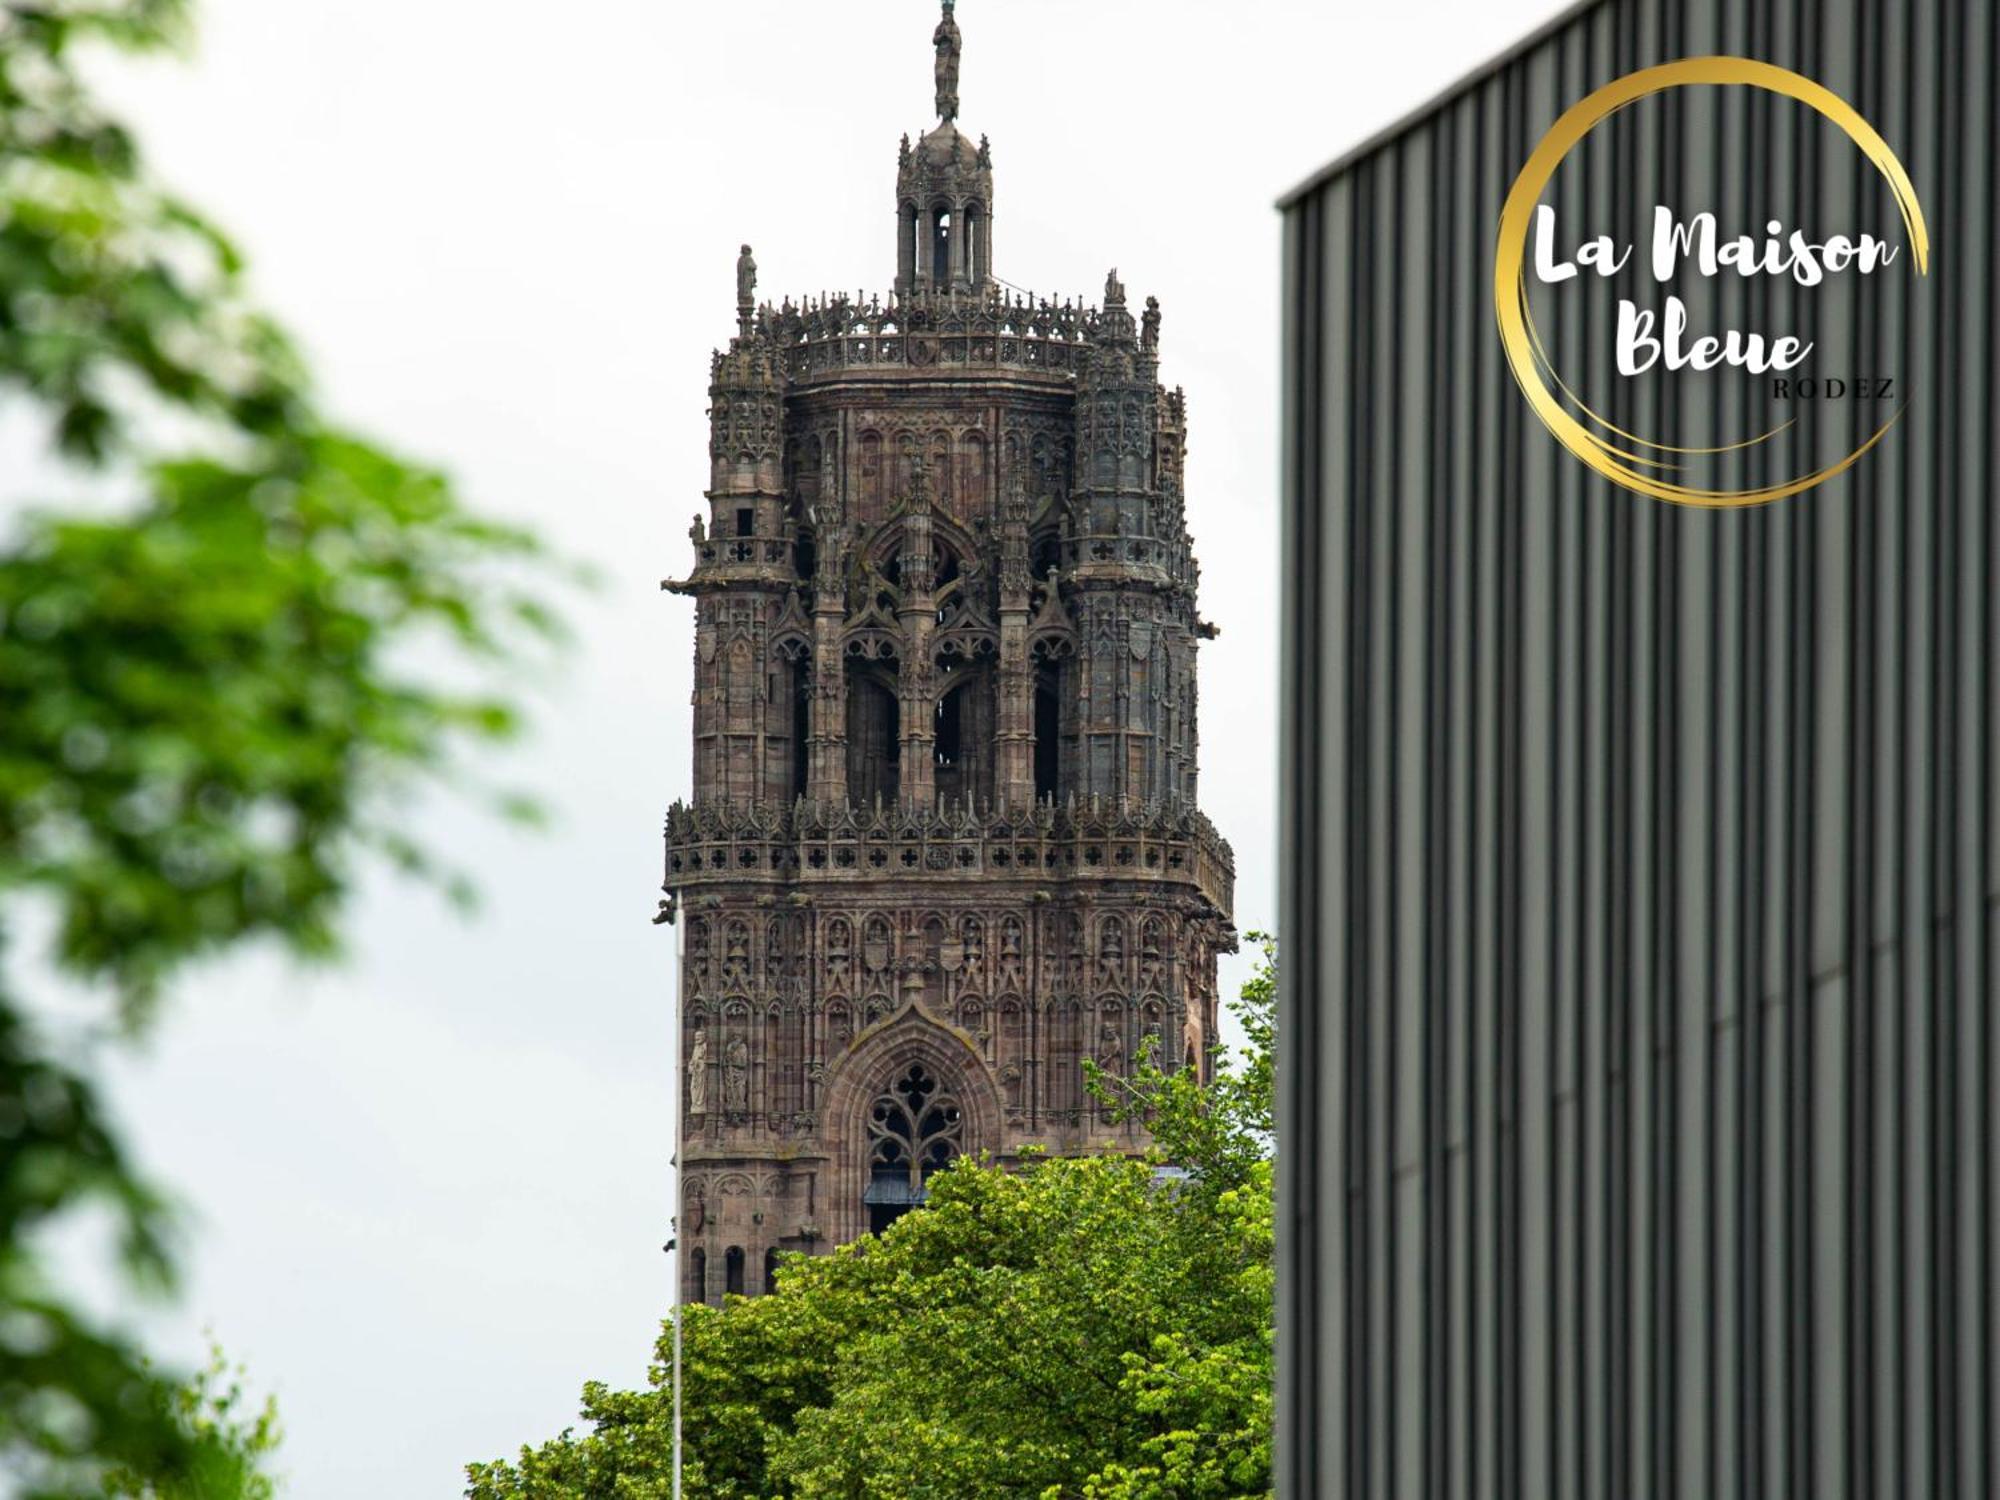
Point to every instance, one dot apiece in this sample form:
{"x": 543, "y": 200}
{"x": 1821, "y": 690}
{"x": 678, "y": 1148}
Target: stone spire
{"x": 949, "y": 48}
{"x": 944, "y": 193}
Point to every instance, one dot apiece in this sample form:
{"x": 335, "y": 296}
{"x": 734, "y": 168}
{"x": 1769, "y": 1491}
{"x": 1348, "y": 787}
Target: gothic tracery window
{"x": 914, "y": 1129}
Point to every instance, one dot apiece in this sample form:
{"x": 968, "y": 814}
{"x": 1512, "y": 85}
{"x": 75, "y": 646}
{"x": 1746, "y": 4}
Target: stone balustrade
{"x": 810, "y": 842}
{"x": 928, "y": 331}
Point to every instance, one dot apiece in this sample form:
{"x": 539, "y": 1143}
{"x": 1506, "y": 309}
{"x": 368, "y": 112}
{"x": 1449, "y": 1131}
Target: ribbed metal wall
{"x": 1639, "y": 1033}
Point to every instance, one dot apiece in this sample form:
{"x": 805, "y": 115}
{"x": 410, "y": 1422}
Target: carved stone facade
{"x": 944, "y": 843}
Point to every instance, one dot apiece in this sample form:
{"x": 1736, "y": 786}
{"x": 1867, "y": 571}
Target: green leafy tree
{"x": 217, "y": 688}
{"x": 231, "y": 1440}
{"x": 1083, "y": 1328}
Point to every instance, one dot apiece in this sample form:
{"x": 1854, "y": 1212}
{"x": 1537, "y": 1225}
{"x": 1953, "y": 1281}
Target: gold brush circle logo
{"x": 1610, "y": 451}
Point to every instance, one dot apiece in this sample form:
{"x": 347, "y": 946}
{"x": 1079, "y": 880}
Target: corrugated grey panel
{"x": 1641, "y": 899}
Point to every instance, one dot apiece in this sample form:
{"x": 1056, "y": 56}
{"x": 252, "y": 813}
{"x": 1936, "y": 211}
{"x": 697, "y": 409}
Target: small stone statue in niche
{"x": 736, "y": 1074}
{"x": 697, "y": 1074}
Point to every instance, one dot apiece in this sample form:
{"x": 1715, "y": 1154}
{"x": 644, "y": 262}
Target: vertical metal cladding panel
{"x": 1640, "y": 905}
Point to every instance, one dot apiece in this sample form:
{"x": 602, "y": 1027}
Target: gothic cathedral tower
{"x": 944, "y": 843}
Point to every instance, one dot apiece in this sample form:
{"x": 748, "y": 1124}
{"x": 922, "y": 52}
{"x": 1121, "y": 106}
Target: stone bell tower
{"x": 943, "y": 844}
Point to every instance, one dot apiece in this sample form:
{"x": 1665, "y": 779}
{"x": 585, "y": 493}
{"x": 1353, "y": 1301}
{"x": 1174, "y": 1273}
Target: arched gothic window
{"x": 914, "y": 1129}
{"x": 941, "y": 235}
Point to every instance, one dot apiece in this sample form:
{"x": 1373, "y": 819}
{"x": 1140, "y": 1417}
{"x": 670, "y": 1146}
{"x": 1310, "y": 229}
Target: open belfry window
{"x": 941, "y": 244}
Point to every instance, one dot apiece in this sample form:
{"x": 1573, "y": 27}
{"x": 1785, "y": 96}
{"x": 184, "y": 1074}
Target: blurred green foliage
{"x": 1078, "y": 1329}
{"x": 232, "y": 1442}
{"x": 215, "y": 696}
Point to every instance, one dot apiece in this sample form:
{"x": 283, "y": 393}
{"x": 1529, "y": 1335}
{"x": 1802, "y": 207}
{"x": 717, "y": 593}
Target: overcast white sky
{"x": 429, "y": 1189}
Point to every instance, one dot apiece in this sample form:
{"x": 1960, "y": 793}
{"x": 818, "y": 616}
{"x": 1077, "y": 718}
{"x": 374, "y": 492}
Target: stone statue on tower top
{"x": 746, "y": 291}
{"x": 949, "y": 46}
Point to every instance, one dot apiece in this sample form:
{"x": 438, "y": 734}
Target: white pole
{"x": 680, "y": 1083}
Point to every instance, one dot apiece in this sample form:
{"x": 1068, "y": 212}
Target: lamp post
{"x": 674, "y": 1243}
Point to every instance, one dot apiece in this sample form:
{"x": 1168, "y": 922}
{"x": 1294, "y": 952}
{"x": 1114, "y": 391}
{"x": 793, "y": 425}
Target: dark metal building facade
{"x": 1639, "y": 1075}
